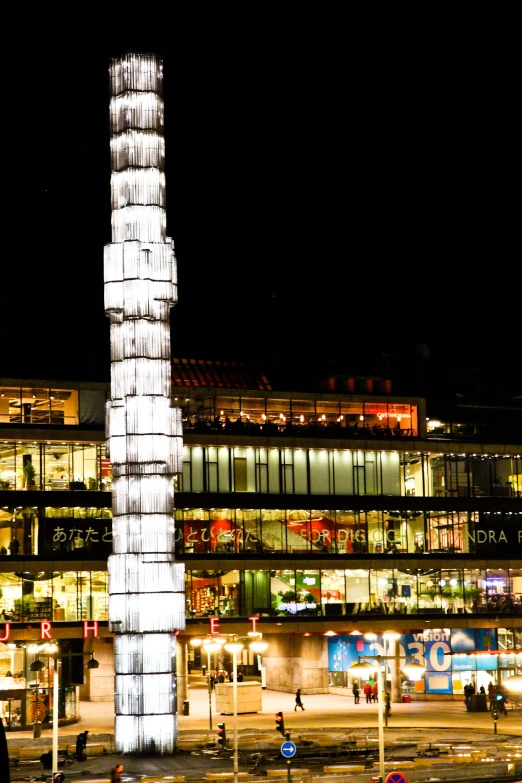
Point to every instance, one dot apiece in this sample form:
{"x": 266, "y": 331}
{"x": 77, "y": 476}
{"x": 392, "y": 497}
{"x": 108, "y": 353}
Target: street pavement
{"x": 322, "y": 711}
{"x": 325, "y": 715}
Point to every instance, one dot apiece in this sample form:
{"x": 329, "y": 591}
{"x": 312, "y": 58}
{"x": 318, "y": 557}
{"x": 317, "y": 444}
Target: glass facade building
{"x": 326, "y": 511}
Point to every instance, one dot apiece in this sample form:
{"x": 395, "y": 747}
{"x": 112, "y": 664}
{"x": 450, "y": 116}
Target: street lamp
{"x": 513, "y": 683}
{"x": 364, "y": 669}
{"x": 234, "y": 648}
{"x": 210, "y": 645}
{"x": 51, "y": 650}
{"x": 37, "y": 666}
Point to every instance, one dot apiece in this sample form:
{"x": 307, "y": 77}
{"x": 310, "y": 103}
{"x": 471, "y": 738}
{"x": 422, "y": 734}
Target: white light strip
{"x": 155, "y": 732}
{"x": 144, "y": 434}
{"x": 137, "y": 148}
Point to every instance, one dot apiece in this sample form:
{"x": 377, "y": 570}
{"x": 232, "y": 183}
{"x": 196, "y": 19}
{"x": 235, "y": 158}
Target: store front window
{"x": 67, "y": 596}
{"x": 54, "y": 466}
{"x": 26, "y": 697}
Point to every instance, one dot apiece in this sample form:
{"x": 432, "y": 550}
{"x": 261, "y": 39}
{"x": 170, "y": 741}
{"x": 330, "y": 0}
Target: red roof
{"x": 197, "y": 373}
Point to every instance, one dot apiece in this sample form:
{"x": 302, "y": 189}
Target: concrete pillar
{"x": 181, "y": 675}
{"x": 99, "y": 683}
{"x": 293, "y": 662}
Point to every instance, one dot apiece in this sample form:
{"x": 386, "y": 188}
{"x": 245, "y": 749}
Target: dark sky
{"x": 330, "y": 202}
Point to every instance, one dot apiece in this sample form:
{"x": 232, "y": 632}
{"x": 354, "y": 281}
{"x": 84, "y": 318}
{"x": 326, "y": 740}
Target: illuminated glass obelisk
{"x": 146, "y": 586}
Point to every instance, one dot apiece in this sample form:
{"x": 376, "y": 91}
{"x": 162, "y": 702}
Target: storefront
{"x": 26, "y": 696}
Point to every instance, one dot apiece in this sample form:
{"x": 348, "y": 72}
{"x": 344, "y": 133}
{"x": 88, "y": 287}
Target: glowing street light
{"x": 513, "y": 683}
{"x": 234, "y": 648}
{"x": 211, "y": 646}
{"x": 51, "y": 650}
{"x": 364, "y": 669}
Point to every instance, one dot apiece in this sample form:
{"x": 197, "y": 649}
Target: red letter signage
{"x": 45, "y": 630}
{"x": 87, "y": 628}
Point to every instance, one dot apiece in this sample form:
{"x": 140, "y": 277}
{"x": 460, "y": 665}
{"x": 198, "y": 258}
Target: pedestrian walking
{"x": 367, "y": 690}
{"x": 298, "y": 702}
{"x": 375, "y": 692}
{"x": 492, "y": 694}
{"x": 468, "y": 693}
{"x": 387, "y": 702}
{"x": 81, "y": 745}
{"x": 355, "y": 691}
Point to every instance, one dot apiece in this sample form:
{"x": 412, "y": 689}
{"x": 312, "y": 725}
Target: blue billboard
{"x": 441, "y": 650}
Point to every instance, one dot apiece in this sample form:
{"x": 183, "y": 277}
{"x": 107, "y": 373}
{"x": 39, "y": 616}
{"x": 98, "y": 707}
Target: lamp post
{"x": 210, "y": 645}
{"x": 51, "y": 650}
{"x": 36, "y": 667}
{"x": 55, "y": 708}
{"x": 513, "y": 683}
{"x": 234, "y": 648}
{"x": 387, "y": 637}
{"x": 363, "y": 669}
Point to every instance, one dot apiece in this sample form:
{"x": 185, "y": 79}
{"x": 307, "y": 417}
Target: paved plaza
{"x": 322, "y": 711}
{"x": 326, "y": 717}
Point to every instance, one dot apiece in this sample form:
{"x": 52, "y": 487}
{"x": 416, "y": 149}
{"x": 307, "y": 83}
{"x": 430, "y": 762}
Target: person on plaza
{"x": 482, "y": 690}
{"x": 355, "y": 691}
{"x": 387, "y": 702}
{"x": 298, "y": 702}
{"x": 367, "y": 690}
{"x": 469, "y": 690}
{"x": 14, "y": 546}
{"x": 492, "y": 694}
{"x": 116, "y": 773}
{"x": 81, "y": 744}
{"x": 375, "y": 692}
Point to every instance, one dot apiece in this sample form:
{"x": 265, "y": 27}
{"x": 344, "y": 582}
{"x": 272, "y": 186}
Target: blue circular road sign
{"x": 396, "y": 777}
{"x": 288, "y": 749}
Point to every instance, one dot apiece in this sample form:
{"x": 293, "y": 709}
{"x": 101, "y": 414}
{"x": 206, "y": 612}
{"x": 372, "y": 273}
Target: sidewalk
{"x": 322, "y": 712}
{"x": 328, "y": 719}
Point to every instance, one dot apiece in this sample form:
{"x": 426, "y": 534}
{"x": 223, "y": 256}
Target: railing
{"x": 308, "y": 430}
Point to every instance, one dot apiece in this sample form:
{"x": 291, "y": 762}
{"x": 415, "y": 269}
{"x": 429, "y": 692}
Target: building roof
{"x": 194, "y": 373}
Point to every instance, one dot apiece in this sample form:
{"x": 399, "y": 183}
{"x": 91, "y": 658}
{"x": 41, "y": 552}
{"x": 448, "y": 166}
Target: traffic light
{"x": 222, "y": 735}
{"x": 280, "y": 723}
{"x": 494, "y": 711}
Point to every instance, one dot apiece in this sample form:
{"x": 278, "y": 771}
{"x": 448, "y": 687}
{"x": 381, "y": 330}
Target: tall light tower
{"x": 146, "y": 586}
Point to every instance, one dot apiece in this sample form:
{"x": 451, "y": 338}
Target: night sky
{"x": 333, "y": 206}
